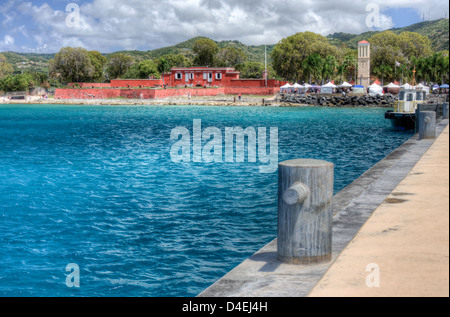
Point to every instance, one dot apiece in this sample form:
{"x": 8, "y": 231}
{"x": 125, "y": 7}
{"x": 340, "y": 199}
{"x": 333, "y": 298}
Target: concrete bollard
{"x": 305, "y": 211}
{"x": 445, "y": 110}
{"x": 427, "y": 125}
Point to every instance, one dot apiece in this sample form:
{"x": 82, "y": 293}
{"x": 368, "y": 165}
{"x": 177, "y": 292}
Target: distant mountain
{"x": 28, "y": 61}
{"x": 254, "y": 52}
{"x": 437, "y": 31}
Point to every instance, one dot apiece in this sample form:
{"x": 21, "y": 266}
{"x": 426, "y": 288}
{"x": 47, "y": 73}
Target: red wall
{"x": 158, "y": 93}
{"x": 90, "y": 85}
{"x": 251, "y": 90}
{"x": 135, "y": 82}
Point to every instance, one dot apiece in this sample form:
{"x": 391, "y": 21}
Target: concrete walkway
{"x": 393, "y": 220}
{"x": 403, "y": 249}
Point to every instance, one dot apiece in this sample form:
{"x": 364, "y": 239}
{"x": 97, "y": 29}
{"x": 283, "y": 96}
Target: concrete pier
{"x": 392, "y": 221}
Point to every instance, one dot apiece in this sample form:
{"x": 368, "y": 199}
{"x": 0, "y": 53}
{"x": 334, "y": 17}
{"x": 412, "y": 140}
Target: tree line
{"x": 308, "y": 57}
{"x": 79, "y": 65}
{"x": 302, "y": 57}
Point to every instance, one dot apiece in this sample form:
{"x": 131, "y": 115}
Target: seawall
{"x": 131, "y": 93}
{"x": 263, "y": 275}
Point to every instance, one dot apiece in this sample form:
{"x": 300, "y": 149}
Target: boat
{"x": 403, "y": 116}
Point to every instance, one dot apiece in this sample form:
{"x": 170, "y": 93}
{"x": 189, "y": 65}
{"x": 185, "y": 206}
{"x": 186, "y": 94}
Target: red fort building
{"x": 196, "y": 81}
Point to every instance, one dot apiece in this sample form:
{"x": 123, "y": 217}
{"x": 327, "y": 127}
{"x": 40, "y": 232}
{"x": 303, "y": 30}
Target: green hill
{"x": 436, "y": 30}
{"x": 254, "y": 53}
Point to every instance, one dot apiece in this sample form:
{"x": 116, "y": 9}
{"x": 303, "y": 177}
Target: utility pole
{"x": 265, "y": 64}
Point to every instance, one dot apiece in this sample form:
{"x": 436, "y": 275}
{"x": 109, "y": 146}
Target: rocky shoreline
{"x": 229, "y": 100}
{"x": 322, "y": 100}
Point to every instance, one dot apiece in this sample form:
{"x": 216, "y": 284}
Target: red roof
{"x": 363, "y": 42}
{"x": 377, "y": 82}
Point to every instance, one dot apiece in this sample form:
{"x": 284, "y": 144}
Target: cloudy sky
{"x": 44, "y": 26}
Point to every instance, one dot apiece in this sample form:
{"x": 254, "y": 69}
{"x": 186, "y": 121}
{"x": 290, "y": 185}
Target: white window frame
{"x": 218, "y": 76}
{"x": 178, "y": 76}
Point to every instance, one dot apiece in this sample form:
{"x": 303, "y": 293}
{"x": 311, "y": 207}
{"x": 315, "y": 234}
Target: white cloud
{"x": 8, "y": 40}
{"x": 136, "y": 24}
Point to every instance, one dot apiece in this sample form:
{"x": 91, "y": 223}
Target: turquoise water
{"x": 95, "y": 186}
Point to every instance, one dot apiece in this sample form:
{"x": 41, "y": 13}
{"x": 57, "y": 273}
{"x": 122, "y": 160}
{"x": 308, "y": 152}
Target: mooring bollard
{"x": 427, "y": 125}
{"x": 305, "y": 211}
{"x": 445, "y": 110}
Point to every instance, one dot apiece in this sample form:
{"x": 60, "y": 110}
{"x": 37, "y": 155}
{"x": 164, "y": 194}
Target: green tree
{"x": 289, "y": 54}
{"x": 230, "y": 57}
{"x": 382, "y": 71}
{"x": 72, "y": 65}
{"x": 349, "y": 66}
{"x": 413, "y": 44}
{"x": 21, "y": 82}
{"x": 312, "y": 67}
{"x": 118, "y": 64}
{"x": 142, "y": 70}
{"x": 255, "y": 70}
{"x": 163, "y": 67}
{"x": 387, "y": 48}
{"x": 329, "y": 68}
{"x": 98, "y": 61}
{"x": 5, "y": 68}
{"x": 176, "y": 60}
{"x": 205, "y": 49}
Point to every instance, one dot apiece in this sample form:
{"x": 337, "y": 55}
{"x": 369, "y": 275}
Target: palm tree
{"x": 312, "y": 65}
{"x": 329, "y": 67}
{"x": 383, "y": 71}
{"x": 350, "y": 66}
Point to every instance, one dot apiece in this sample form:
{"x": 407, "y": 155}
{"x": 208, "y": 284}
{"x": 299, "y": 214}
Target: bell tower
{"x": 363, "y": 64}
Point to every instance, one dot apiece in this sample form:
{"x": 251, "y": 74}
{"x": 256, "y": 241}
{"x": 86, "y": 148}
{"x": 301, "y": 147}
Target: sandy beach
{"x": 221, "y": 100}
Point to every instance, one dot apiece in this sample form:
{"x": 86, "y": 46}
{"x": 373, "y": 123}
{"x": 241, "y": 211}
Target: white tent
{"x": 375, "y": 89}
{"x": 392, "y": 85}
{"x": 297, "y": 86}
{"x": 423, "y": 87}
{"x": 328, "y": 88}
{"x": 345, "y": 85}
{"x": 286, "y": 87}
{"x": 406, "y": 86}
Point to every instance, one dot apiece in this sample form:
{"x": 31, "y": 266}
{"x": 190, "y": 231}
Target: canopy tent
{"x": 393, "y": 88}
{"x": 286, "y": 87}
{"x": 297, "y": 86}
{"x": 330, "y": 84}
{"x": 328, "y": 88}
{"x": 345, "y": 85}
{"x": 443, "y": 86}
{"x": 406, "y": 86}
{"x": 436, "y": 86}
{"x": 358, "y": 89}
{"x": 375, "y": 89}
{"x": 392, "y": 85}
{"x": 423, "y": 87}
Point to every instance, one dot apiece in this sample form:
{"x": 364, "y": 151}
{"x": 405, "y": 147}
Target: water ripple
{"x": 94, "y": 185}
